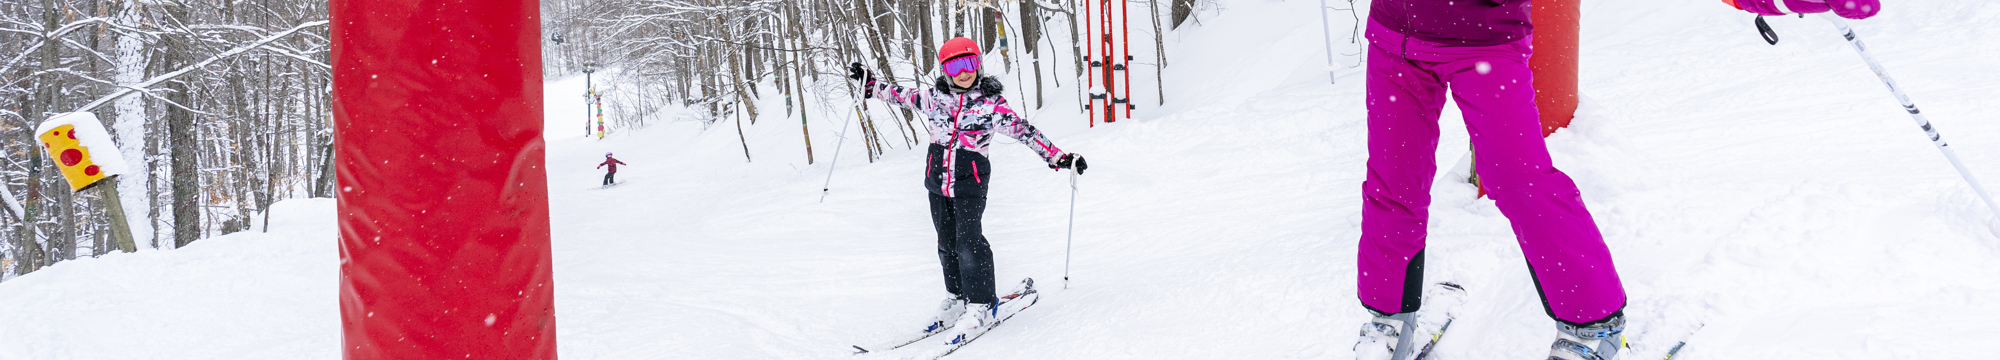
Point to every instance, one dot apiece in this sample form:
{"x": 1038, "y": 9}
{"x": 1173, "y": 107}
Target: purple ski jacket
{"x": 962, "y": 123}
{"x": 1456, "y": 22}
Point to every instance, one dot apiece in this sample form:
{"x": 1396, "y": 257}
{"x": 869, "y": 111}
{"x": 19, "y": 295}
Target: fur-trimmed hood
{"x": 986, "y": 85}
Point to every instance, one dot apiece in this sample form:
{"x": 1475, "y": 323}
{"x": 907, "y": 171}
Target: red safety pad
{"x": 444, "y": 222}
{"x": 1555, "y": 61}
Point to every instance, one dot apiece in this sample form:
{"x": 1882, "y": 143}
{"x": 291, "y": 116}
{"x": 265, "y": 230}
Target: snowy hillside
{"x": 247, "y": 295}
{"x": 1776, "y": 196}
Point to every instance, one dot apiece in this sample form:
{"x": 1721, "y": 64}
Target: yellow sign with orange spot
{"x": 72, "y": 157}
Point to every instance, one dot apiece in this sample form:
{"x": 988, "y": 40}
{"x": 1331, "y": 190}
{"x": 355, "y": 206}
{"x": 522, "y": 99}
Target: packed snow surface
{"x": 1776, "y": 197}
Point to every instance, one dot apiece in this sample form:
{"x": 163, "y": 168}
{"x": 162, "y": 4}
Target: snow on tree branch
{"x": 226, "y": 54}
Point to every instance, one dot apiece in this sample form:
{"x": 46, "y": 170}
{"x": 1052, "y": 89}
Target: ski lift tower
{"x": 1109, "y": 55}
{"x": 589, "y": 94}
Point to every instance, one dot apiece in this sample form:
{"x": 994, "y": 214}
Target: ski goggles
{"x": 961, "y": 65}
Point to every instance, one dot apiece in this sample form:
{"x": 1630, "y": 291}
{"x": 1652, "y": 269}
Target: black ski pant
{"x": 967, "y": 259}
{"x": 607, "y": 178}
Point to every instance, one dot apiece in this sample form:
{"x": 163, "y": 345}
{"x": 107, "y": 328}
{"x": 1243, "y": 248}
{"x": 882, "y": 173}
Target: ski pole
{"x": 1677, "y": 347}
{"x": 823, "y": 188}
{"x": 1071, "y": 239}
{"x": 1912, "y": 108}
{"x": 1327, "y": 29}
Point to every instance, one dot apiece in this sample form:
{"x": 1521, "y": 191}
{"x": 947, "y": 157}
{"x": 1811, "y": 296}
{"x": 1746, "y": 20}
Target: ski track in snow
{"x": 1777, "y": 194}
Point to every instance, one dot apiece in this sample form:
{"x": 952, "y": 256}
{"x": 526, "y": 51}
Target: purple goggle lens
{"x": 961, "y": 65}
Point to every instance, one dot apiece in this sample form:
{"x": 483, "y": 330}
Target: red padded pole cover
{"x": 1555, "y": 61}
{"x": 444, "y": 222}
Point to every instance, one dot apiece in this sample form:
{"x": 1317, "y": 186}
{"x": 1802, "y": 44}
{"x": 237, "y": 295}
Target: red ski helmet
{"x": 956, "y": 47}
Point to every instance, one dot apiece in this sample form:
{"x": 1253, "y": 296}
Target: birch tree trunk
{"x": 129, "y": 126}
{"x": 1159, "y": 51}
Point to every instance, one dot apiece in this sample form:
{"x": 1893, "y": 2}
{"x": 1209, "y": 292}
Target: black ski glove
{"x": 854, "y": 71}
{"x": 1069, "y": 161}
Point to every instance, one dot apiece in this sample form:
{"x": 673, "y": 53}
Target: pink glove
{"x": 1852, "y": 9}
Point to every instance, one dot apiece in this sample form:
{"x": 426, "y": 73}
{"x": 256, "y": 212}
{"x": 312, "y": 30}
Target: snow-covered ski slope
{"x": 1777, "y": 194}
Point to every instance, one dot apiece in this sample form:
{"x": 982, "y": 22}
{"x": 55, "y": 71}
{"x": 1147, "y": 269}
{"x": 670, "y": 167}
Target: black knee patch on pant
{"x": 1413, "y": 284}
{"x": 1552, "y": 310}
{"x": 1413, "y": 288}
{"x": 1539, "y": 292}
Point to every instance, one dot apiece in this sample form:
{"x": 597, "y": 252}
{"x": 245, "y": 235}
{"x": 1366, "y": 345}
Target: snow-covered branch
{"x": 184, "y": 70}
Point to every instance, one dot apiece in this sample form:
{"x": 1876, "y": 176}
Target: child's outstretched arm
{"x": 913, "y": 99}
{"x": 1011, "y": 124}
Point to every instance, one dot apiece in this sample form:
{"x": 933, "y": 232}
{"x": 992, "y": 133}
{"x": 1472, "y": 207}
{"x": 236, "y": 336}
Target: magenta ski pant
{"x": 1407, "y": 80}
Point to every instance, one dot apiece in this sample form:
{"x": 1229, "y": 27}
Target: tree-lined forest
{"x": 222, "y": 106}
{"x": 716, "y": 56}
{"x": 219, "y": 106}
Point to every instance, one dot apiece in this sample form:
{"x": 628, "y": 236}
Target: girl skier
{"x": 613, "y": 171}
{"x": 963, "y": 111}
{"x": 1419, "y": 49}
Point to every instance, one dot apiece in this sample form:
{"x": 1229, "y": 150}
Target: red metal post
{"x": 1090, "y": 60}
{"x": 444, "y": 220}
{"x": 1125, "y": 59}
{"x": 1109, "y": 53}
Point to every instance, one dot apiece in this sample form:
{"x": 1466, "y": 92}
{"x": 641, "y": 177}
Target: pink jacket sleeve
{"x": 1011, "y": 124}
{"x": 1852, "y": 9}
{"x": 913, "y": 99}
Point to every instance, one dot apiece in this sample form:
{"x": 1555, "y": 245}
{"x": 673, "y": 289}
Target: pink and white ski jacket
{"x": 962, "y": 122}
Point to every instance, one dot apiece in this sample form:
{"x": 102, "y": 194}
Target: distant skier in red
{"x": 613, "y": 163}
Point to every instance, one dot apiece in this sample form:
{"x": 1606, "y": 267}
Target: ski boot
{"x": 948, "y": 313}
{"x": 973, "y": 322}
{"x": 1410, "y": 336}
{"x": 1383, "y": 336}
{"x": 1600, "y": 341}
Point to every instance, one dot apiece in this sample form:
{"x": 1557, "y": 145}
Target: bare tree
{"x": 218, "y": 106}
